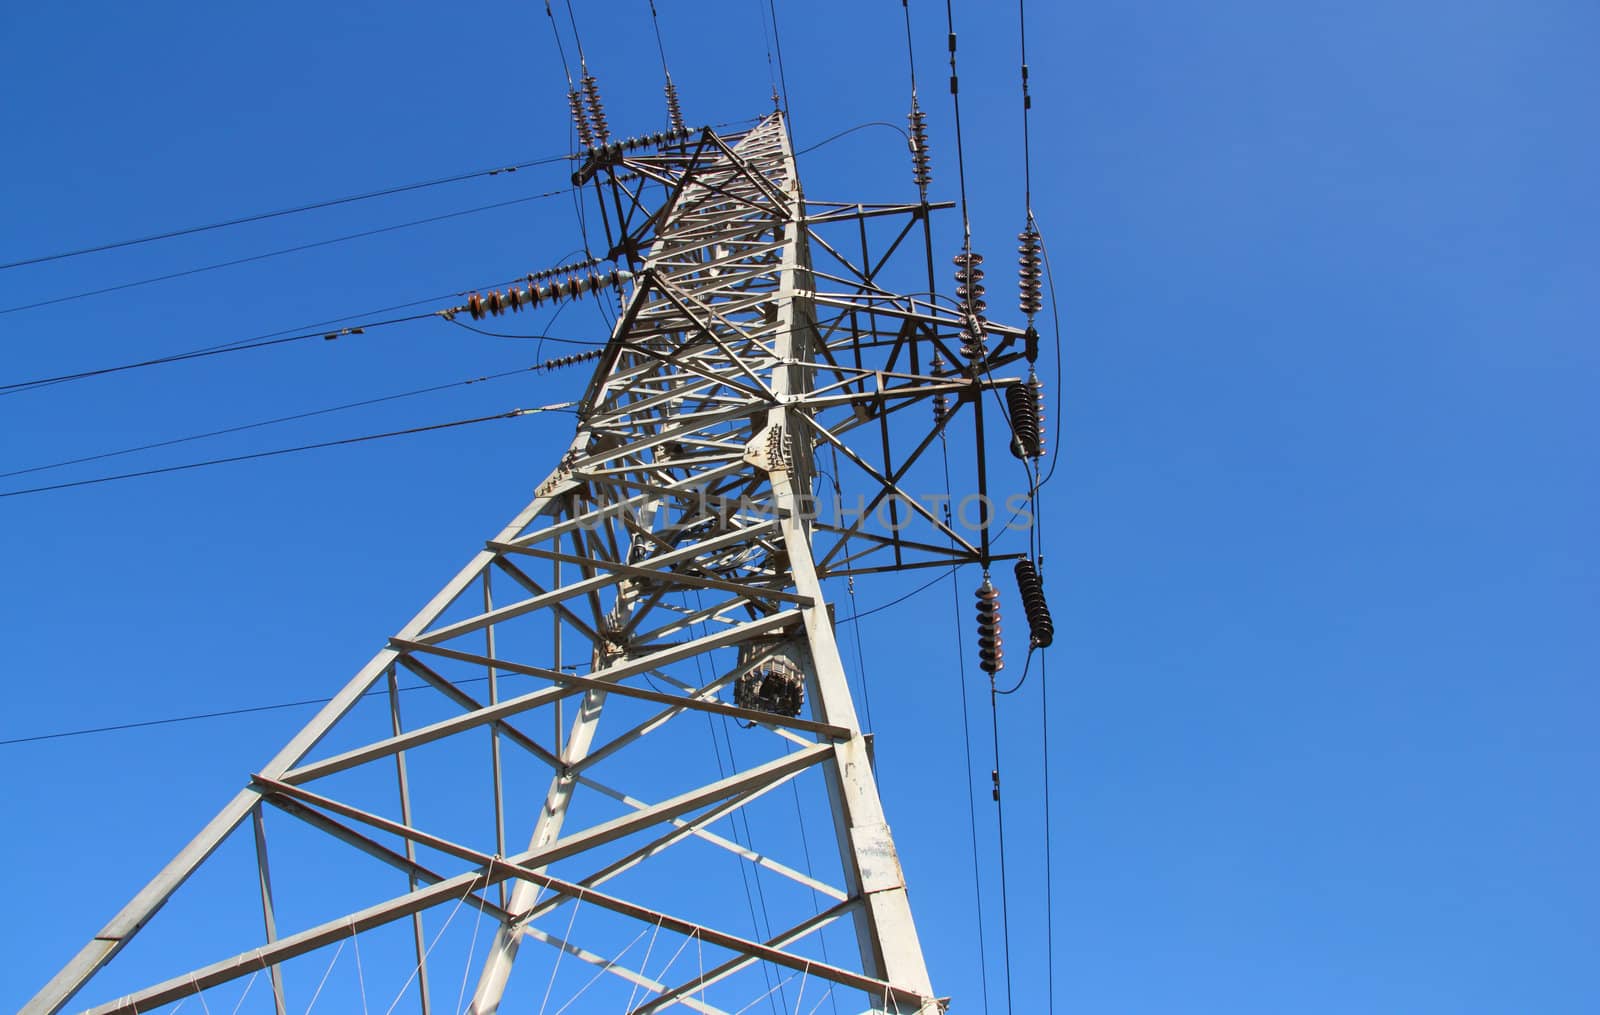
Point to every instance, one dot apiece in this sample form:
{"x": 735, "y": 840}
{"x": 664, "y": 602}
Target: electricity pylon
{"x": 664, "y": 585}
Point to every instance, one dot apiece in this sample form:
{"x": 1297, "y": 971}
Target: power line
{"x": 744, "y": 877}
{"x": 261, "y": 342}
{"x": 850, "y": 584}
{"x": 560, "y": 49}
{"x": 805, "y": 846}
{"x": 512, "y": 414}
{"x": 655, "y": 21}
{"x": 674, "y": 109}
{"x": 716, "y": 749}
{"x": 1032, "y": 226}
{"x": 911, "y": 56}
{"x": 966, "y": 260}
{"x": 955, "y": 99}
{"x": 851, "y": 130}
{"x": 279, "y": 253}
{"x": 766, "y": 40}
{"x": 263, "y": 216}
{"x": 224, "y": 713}
{"x": 268, "y": 422}
{"x": 925, "y": 586}
{"x": 777, "y": 39}
{"x": 271, "y": 338}
{"x": 583, "y": 61}
{"x": 589, "y": 89}
{"x": 1049, "y": 876}
{"x": 1031, "y": 250}
{"x": 743, "y": 814}
{"x": 1027, "y": 105}
{"x": 1000, "y": 822}
{"x": 172, "y": 720}
{"x": 966, "y": 738}
{"x": 542, "y": 338}
{"x": 1055, "y": 316}
{"x": 1027, "y": 664}
{"x": 994, "y": 692}
{"x": 323, "y": 701}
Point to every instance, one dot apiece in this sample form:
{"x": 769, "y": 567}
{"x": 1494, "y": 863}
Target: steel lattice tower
{"x": 665, "y": 579}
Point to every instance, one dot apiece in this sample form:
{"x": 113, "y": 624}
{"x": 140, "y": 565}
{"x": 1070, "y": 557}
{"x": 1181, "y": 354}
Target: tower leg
{"x": 503, "y": 953}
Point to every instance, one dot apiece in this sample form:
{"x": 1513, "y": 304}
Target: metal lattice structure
{"x": 665, "y": 583}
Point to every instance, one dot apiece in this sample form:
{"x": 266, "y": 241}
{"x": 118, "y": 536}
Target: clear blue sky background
{"x": 1321, "y": 547}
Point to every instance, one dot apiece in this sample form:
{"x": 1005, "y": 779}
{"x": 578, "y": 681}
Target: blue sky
{"x": 1320, "y": 548}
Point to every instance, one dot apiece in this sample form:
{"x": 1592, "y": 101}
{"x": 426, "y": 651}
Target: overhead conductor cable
{"x": 1030, "y": 272}
{"x": 674, "y": 110}
{"x": 1027, "y": 406}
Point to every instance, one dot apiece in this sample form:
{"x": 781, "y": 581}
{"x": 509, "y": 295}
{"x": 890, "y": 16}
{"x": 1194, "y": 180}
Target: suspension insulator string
{"x": 610, "y": 154}
{"x": 567, "y": 361}
{"x": 674, "y": 110}
{"x": 580, "y": 119}
{"x": 921, "y": 160}
{"x": 969, "y": 282}
{"x": 561, "y": 269}
{"x": 1030, "y": 586}
{"x": 1029, "y": 273}
{"x": 970, "y": 291}
{"x": 1022, "y": 406}
{"x": 496, "y": 302}
{"x": 941, "y": 399}
{"x": 991, "y": 651}
{"x": 597, "y": 109}
{"x": 588, "y": 87}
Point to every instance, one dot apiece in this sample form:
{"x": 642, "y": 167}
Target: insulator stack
{"x": 674, "y": 111}
{"x": 597, "y": 109}
{"x": 575, "y": 101}
{"x": 991, "y": 653}
{"x": 610, "y": 153}
{"x": 969, "y": 282}
{"x": 1022, "y": 406}
{"x": 633, "y": 144}
{"x": 567, "y": 361}
{"x": 973, "y": 338}
{"x": 941, "y": 399}
{"x": 970, "y": 290}
{"x": 1041, "y": 631}
{"x": 1029, "y": 271}
{"x": 562, "y": 269}
{"x": 494, "y": 303}
{"x": 921, "y": 164}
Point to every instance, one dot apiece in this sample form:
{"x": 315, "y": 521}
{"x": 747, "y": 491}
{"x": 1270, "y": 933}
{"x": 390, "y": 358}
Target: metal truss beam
{"x": 685, "y": 566}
